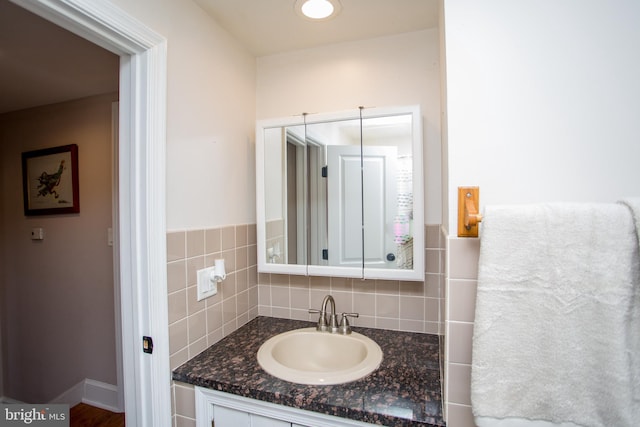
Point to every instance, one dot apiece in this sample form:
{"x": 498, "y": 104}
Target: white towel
{"x": 555, "y": 334}
{"x": 633, "y": 203}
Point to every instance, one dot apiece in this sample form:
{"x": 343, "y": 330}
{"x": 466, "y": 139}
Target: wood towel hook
{"x": 468, "y": 211}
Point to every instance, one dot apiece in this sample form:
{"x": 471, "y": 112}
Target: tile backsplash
{"x": 245, "y": 294}
{"x": 195, "y": 325}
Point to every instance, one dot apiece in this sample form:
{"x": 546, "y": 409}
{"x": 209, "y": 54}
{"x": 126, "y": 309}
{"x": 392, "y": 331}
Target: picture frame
{"x": 50, "y": 181}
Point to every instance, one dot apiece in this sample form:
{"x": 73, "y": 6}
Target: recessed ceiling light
{"x": 317, "y": 10}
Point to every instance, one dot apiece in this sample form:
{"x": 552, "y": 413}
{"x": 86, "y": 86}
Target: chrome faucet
{"x": 332, "y": 325}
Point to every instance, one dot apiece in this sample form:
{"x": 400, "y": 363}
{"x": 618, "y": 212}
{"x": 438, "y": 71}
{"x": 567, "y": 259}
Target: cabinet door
{"x": 225, "y": 417}
{"x": 260, "y": 421}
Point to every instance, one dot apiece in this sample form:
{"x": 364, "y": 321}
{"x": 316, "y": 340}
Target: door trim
{"x": 141, "y": 195}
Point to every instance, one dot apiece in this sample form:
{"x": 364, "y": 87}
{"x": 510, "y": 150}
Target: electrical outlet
{"x": 206, "y": 286}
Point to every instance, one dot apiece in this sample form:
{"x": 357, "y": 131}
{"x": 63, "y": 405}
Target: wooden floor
{"x": 83, "y": 415}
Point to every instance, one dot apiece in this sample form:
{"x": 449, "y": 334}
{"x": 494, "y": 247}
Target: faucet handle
{"x": 344, "y": 327}
{"x": 322, "y": 320}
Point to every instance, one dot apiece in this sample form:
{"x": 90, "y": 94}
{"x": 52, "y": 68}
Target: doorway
{"x": 141, "y": 234}
{"x": 57, "y": 89}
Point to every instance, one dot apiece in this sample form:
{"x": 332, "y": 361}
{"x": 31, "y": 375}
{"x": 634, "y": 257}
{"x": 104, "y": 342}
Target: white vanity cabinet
{"x": 219, "y": 409}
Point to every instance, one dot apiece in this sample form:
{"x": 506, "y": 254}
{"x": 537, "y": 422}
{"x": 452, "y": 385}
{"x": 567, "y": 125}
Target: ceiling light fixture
{"x": 317, "y": 10}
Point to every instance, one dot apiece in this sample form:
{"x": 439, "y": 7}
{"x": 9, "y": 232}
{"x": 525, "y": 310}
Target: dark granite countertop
{"x": 404, "y": 391}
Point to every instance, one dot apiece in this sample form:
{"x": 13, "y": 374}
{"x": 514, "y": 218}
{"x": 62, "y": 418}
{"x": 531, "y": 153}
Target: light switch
{"x": 37, "y": 233}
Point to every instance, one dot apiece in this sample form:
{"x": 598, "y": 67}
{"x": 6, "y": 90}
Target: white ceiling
{"x": 41, "y": 63}
{"x": 272, "y": 26}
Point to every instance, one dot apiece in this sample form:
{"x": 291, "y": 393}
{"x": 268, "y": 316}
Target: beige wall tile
{"x": 459, "y": 383}
{"x": 242, "y": 304}
{"x": 320, "y": 283}
{"x": 252, "y": 234}
{"x": 432, "y": 328}
{"x": 177, "y": 306}
{"x": 185, "y": 422}
{"x": 229, "y": 257}
{"x": 432, "y": 309}
{"x": 432, "y": 237}
{"x": 459, "y": 416}
{"x": 214, "y": 318}
{"x": 391, "y": 287}
{"x": 178, "y": 336}
{"x": 195, "y": 243}
{"x": 193, "y": 265}
{"x": 197, "y": 347}
{"x": 432, "y": 285}
{"x": 193, "y": 305}
{"x": 412, "y": 308}
{"x": 462, "y": 300}
{"x": 176, "y": 246}
{"x": 299, "y": 281}
{"x": 414, "y": 289}
{"x": 382, "y": 323}
{"x": 229, "y": 310}
{"x": 364, "y": 304}
{"x": 279, "y": 280}
{"x": 228, "y": 238}
{"x": 212, "y": 240}
{"x": 242, "y": 280}
{"x": 264, "y": 295}
{"x": 341, "y": 284}
{"x": 300, "y": 298}
{"x": 412, "y": 325}
{"x": 432, "y": 260}
{"x": 344, "y": 302}
{"x": 388, "y": 306}
{"x": 197, "y": 326}
{"x": 178, "y": 358}
{"x": 463, "y": 258}
{"x": 280, "y": 296}
{"x": 185, "y": 401}
{"x": 241, "y": 235}
{"x": 459, "y": 336}
{"x": 242, "y": 258}
{"x": 176, "y": 276}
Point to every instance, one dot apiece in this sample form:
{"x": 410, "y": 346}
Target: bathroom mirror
{"x": 340, "y": 194}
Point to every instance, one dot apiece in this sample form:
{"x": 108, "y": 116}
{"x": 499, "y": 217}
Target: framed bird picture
{"x": 50, "y": 181}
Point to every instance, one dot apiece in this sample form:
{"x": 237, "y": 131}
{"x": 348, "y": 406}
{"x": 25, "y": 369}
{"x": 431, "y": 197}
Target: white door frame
{"x": 142, "y": 228}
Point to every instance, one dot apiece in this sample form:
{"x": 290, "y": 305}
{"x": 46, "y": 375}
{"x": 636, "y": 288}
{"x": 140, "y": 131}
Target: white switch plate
{"x": 37, "y": 233}
{"x": 206, "y": 286}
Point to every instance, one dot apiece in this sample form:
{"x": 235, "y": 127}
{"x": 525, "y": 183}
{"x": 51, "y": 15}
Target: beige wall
{"x": 382, "y": 72}
{"x": 58, "y": 309}
{"x": 529, "y": 123}
{"x": 211, "y": 81}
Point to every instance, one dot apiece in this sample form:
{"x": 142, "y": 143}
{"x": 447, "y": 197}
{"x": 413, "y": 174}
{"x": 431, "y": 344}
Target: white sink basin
{"x": 306, "y": 356}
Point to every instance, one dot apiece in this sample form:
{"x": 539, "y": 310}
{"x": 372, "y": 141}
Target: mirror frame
{"x": 415, "y": 274}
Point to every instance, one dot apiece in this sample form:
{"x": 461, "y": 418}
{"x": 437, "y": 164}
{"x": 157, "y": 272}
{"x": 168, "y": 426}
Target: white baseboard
{"x": 71, "y": 397}
{"x": 91, "y": 392}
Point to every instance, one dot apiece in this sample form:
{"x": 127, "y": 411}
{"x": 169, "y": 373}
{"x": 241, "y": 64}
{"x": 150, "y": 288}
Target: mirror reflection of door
{"x": 338, "y": 194}
{"x": 361, "y": 211}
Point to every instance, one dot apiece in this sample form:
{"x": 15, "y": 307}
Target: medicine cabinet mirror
{"x": 341, "y": 194}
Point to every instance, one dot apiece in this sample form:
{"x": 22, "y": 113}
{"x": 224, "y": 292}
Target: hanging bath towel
{"x": 557, "y": 327}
